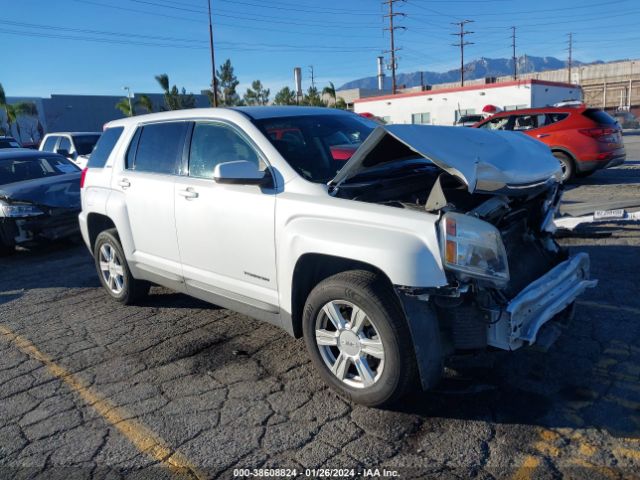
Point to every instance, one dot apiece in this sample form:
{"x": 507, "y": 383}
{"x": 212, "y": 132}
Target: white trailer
{"x": 445, "y": 106}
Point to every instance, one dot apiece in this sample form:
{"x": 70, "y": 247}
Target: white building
{"x": 445, "y": 106}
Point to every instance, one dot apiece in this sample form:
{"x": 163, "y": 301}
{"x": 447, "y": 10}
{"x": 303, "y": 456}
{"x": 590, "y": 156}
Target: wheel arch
{"x": 96, "y": 223}
{"x": 311, "y": 269}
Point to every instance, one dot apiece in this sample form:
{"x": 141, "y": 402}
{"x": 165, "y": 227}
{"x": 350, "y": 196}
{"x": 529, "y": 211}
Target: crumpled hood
{"x": 59, "y": 191}
{"x": 486, "y": 161}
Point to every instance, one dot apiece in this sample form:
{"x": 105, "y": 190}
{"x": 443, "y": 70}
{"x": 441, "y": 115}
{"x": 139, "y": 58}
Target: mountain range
{"x": 483, "y": 67}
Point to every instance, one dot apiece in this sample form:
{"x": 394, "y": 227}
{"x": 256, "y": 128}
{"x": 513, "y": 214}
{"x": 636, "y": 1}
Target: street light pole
{"x": 129, "y": 98}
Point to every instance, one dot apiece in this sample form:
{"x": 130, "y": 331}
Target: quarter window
{"x": 214, "y": 143}
{"x": 159, "y": 148}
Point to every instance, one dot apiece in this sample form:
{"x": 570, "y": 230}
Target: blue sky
{"x": 98, "y": 46}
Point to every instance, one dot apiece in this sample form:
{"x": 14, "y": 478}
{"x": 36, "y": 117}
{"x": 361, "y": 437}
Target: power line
{"x": 392, "y": 29}
{"x": 462, "y": 44}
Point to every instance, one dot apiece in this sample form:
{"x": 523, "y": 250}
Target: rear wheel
{"x": 567, "y": 165}
{"x": 113, "y": 270}
{"x": 358, "y": 339}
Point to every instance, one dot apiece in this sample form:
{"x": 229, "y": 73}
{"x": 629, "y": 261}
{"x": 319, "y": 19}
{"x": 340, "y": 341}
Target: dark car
{"x": 8, "y": 142}
{"x": 582, "y": 139}
{"x": 39, "y": 198}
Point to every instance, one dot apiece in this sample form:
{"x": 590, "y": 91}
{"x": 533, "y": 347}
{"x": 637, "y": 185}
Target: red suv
{"x": 583, "y": 139}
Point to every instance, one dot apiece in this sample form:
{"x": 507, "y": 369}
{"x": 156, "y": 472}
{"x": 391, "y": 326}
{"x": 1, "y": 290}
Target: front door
{"x": 225, "y": 232}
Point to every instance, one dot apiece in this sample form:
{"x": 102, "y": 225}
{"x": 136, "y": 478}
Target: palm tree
{"x": 331, "y": 91}
{"x": 146, "y": 103}
{"x": 124, "y": 106}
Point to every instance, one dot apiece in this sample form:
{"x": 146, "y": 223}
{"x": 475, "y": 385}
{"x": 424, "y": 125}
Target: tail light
{"x": 600, "y": 134}
{"x": 83, "y": 175}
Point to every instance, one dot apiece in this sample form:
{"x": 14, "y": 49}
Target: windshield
{"x": 305, "y": 141}
{"x": 20, "y": 169}
{"x": 85, "y": 143}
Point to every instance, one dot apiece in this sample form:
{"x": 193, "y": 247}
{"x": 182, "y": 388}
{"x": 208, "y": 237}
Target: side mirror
{"x": 240, "y": 172}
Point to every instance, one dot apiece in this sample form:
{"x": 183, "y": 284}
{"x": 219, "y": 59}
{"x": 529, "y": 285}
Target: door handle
{"x": 124, "y": 183}
{"x": 189, "y": 193}
{"x": 542, "y": 135}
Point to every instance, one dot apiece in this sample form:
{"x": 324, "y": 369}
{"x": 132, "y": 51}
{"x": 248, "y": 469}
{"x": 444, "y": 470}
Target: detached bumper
{"x": 539, "y": 302}
{"x": 60, "y": 223}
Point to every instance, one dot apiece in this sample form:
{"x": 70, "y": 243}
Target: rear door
{"x": 147, "y": 182}
{"x": 225, "y": 231}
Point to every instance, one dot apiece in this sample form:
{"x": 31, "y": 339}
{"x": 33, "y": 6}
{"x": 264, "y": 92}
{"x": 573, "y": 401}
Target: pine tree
{"x": 257, "y": 94}
{"x": 227, "y": 83}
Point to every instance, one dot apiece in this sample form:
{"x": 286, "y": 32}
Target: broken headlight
{"x": 473, "y": 247}
{"x": 20, "y": 210}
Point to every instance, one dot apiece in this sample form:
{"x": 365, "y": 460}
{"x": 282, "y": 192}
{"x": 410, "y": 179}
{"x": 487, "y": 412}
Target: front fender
{"x": 402, "y": 244}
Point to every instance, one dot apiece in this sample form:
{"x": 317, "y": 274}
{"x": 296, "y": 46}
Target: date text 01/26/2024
{"x": 314, "y": 473}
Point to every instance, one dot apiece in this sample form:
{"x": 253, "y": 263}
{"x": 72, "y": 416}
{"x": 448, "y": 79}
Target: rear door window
{"x": 500, "y": 123}
{"x": 159, "y": 148}
{"x": 104, "y": 147}
{"x": 528, "y": 122}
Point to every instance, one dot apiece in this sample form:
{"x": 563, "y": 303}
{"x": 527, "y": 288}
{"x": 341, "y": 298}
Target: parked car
{"x": 469, "y": 120}
{"x": 76, "y": 146}
{"x": 385, "y": 264}
{"x": 8, "y": 142}
{"x": 582, "y": 139}
{"x": 39, "y": 198}
{"x": 626, "y": 119}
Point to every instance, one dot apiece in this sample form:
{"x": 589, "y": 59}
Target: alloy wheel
{"x": 350, "y": 344}
{"x": 111, "y": 268}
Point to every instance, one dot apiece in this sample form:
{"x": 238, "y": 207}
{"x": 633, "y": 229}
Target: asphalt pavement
{"x": 176, "y": 388}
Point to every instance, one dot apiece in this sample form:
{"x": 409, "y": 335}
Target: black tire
{"x": 132, "y": 290}
{"x": 568, "y": 168}
{"x": 585, "y": 174}
{"x": 375, "y": 297}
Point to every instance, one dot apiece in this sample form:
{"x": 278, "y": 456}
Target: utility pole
{"x": 214, "y": 81}
{"x": 462, "y": 44}
{"x": 313, "y": 83}
{"x": 569, "y": 63}
{"x": 515, "y": 59}
{"x": 392, "y": 30}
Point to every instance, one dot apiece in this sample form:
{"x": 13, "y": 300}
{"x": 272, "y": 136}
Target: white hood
{"x": 484, "y": 160}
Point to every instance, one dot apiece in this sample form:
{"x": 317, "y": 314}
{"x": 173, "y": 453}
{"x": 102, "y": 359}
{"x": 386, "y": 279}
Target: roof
{"x": 256, "y": 113}
{"x": 484, "y": 86}
{"x": 13, "y": 153}
{"x": 74, "y": 133}
{"x": 525, "y": 111}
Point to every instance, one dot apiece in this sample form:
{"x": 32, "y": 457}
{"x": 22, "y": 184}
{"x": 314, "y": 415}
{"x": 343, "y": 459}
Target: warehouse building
{"x": 445, "y": 106}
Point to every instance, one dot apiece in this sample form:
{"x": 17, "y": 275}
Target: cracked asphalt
{"x": 176, "y": 388}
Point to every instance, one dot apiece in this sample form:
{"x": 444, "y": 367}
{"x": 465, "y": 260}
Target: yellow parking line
{"x": 527, "y": 469}
{"x": 142, "y": 437}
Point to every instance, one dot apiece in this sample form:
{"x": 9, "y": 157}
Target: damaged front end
{"x": 507, "y": 276}
{"x": 35, "y": 212}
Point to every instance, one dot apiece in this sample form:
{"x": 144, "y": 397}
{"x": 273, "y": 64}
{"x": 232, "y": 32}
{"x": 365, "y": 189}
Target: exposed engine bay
{"x": 470, "y": 307}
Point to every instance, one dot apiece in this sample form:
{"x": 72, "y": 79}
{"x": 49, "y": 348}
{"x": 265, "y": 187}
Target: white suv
{"x": 428, "y": 240}
{"x": 76, "y": 146}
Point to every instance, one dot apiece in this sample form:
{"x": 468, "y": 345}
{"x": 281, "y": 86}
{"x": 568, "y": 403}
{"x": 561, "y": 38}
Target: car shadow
{"x": 69, "y": 265}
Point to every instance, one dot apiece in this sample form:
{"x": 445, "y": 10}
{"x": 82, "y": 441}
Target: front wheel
{"x": 113, "y": 270}
{"x": 358, "y": 338}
